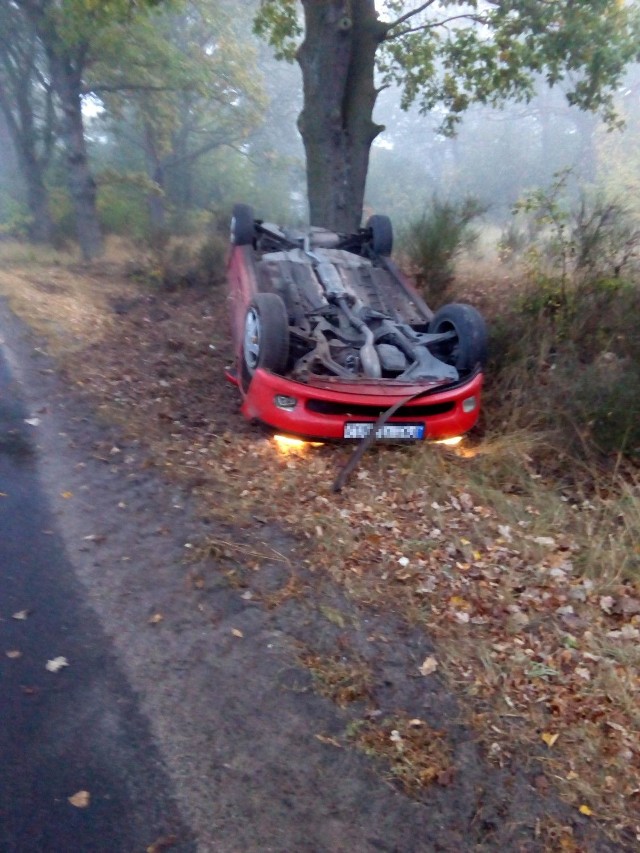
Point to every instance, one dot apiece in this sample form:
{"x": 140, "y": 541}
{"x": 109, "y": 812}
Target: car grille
{"x": 326, "y": 407}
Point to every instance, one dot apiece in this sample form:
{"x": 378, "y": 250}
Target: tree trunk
{"x": 41, "y": 228}
{"x": 155, "y": 170}
{"x": 67, "y": 83}
{"x": 20, "y": 126}
{"x": 337, "y": 60}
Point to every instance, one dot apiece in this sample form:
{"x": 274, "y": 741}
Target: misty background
{"x": 211, "y": 120}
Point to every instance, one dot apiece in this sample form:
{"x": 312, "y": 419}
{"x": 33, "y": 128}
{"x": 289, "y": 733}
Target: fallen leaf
{"x": 332, "y": 615}
{"x": 66, "y": 495}
{"x": 549, "y": 738}
{"x": 545, "y": 541}
{"x": 428, "y": 665}
{"x": 628, "y": 606}
{"x": 12, "y": 654}
{"x": 162, "y": 843}
{"x": 446, "y": 777}
{"x": 542, "y": 784}
{"x": 21, "y": 615}
{"x": 80, "y": 799}
{"x": 32, "y": 421}
{"x": 606, "y": 603}
{"x": 585, "y": 810}
{"x": 331, "y": 741}
{"x": 505, "y": 531}
{"x": 237, "y": 632}
{"x": 157, "y": 617}
{"x": 56, "y": 664}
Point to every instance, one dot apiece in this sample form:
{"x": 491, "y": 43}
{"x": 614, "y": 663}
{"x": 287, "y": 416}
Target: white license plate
{"x": 395, "y": 432}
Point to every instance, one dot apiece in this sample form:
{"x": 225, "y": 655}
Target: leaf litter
{"x": 487, "y": 557}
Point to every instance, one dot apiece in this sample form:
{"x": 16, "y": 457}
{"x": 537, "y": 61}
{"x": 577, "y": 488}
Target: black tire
{"x": 381, "y": 234}
{"x": 243, "y": 229}
{"x": 468, "y": 346}
{"x": 266, "y": 336}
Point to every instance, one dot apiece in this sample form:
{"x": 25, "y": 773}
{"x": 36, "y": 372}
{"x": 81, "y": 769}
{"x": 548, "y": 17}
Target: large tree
{"x": 71, "y": 34}
{"x": 446, "y": 55}
{"x": 181, "y": 85}
{"x": 27, "y": 105}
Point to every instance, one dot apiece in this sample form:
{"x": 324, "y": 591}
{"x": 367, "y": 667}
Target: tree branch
{"x": 124, "y": 87}
{"x": 477, "y": 19}
{"x": 410, "y": 14}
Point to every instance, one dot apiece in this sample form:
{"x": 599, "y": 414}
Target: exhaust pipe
{"x": 335, "y": 292}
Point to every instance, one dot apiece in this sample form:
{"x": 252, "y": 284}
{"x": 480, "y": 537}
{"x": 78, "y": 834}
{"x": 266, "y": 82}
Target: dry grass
{"x": 417, "y": 754}
{"x": 530, "y": 584}
{"x": 343, "y": 681}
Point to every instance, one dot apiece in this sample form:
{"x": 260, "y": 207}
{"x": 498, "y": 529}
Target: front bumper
{"x": 322, "y": 409}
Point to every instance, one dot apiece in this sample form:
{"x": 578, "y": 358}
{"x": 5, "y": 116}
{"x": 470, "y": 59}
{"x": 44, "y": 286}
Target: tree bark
{"x": 67, "y": 82}
{"x": 337, "y": 59}
{"x": 66, "y": 62}
{"x": 20, "y": 125}
{"x": 26, "y": 104}
{"x": 155, "y": 170}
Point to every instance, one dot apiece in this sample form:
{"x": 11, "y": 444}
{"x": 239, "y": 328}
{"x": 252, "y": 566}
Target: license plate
{"x": 395, "y": 432}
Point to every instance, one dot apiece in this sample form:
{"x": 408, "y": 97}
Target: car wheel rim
{"x": 252, "y": 339}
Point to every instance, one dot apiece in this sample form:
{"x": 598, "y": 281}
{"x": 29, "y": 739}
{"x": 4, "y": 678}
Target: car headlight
{"x": 284, "y": 401}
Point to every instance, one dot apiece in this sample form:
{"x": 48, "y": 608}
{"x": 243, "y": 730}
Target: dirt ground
{"x": 293, "y": 711}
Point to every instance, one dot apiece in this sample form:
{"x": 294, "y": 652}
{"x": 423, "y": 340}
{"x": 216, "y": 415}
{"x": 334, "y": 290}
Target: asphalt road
{"x": 77, "y": 729}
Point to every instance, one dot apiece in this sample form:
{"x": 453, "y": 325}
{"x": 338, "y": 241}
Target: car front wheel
{"x": 266, "y": 336}
{"x": 381, "y": 232}
{"x": 243, "y": 231}
{"x": 467, "y": 345}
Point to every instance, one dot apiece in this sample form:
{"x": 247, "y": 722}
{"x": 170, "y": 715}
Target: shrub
{"x": 123, "y": 211}
{"x": 572, "y": 242}
{"x": 15, "y": 220}
{"x": 570, "y": 370}
{"x": 433, "y": 242}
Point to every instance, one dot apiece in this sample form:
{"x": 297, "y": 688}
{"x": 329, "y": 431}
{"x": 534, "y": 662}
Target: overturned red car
{"x": 330, "y": 339}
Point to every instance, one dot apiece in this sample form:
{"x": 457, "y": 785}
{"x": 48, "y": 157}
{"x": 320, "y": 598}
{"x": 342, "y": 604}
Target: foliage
{"x": 181, "y": 88}
{"x": 15, "y": 220}
{"x": 445, "y": 57}
{"x": 573, "y": 241}
{"x": 458, "y": 53}
{"x": 279, "y": 23}
{"x": 122, "y": 210}
{"x": 571, "y": 348}
{"x": 619, "y": 154}
{"x": 433, "y": 242}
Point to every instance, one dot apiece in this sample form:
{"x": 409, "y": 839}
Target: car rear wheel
{"x": 266, "y": 336}
{"x": 243, "y": 230}
{"x": 468, "y": 343}
{"x": 381, "y": 234}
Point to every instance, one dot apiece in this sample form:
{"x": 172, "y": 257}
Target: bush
{"x": 570, "y": 370}
{"x": 574, "y": 243}
{"x": 433, "y": 242}
{"x": 123, "y": 211}
{"x": 186, "y": 263}
{"x": 15, "y": 220}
